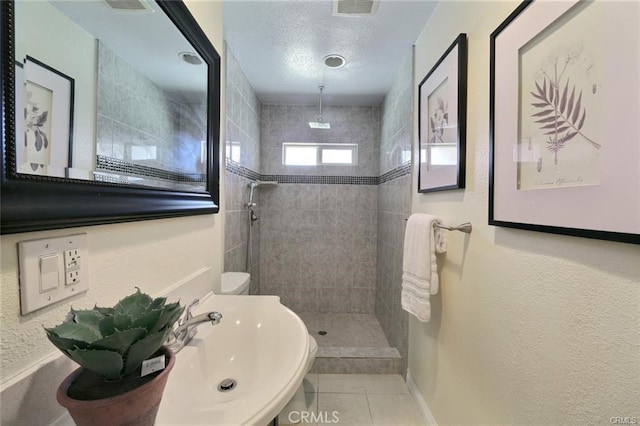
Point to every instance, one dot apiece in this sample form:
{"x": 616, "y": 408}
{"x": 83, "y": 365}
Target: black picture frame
{"x": 441, "y": 148}
{"x": 599, "y": 210}
{"x": 34, "y": 203}
{"x": 58, "y": 137}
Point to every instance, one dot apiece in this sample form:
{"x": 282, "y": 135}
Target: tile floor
{"x": 354, "y": 400}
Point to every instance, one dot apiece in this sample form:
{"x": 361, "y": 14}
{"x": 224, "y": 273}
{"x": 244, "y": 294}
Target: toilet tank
{"x": 235, "y": 283}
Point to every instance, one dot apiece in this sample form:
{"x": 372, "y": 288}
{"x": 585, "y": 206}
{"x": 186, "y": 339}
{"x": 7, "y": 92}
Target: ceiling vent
{"x": 355, "y": 7}
{"x": 129, "y": 5}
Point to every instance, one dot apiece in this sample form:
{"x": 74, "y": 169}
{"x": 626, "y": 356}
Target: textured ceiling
{"x": 280, "y": 46}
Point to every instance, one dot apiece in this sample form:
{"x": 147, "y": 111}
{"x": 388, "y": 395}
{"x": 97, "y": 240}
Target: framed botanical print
{"x": 45, "y": 96}
{"x": 442, "y": 121}
{"x": 564, "y": 127}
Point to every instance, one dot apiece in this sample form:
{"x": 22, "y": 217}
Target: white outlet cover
{"x": 32, "y": 297}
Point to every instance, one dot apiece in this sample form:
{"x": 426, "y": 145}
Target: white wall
{"x": 528, "y": 328}
{"x": 152, "y": 255}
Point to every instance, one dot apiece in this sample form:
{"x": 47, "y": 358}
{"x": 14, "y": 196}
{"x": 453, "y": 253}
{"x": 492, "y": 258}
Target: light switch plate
{"x": 33, "y": 295}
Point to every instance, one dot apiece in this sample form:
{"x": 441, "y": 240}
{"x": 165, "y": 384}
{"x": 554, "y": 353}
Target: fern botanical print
{"x": 562, "y": 130}
{"x": 560, "y": 112}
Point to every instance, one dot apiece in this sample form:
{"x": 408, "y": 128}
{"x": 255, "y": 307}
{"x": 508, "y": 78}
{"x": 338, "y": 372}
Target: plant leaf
{"x": 141, "y": 350}
{"x": 107, "y": 328}
{"x": 122, "y": 321}
{"x": 65, "y": 344}
{"x": 543, "y": 113}
{"x": 540, "y": 91}
{"x": 42, "y": 118}
{"x": 158, "y": 303}
{"x": 559, "y": 130}
{"x": 147, "y": 321}
{"x": 134, "y": 305}
{"x": 540, "y": 105}
{"x": 570, "y": 105}
{"x": 576, "y": 109}
{"x": 563, "y": 101}
{"x": 584, "y": 115}
{"x": 569, "y": 136}
{"x": 538, "y": 96}
{"x": 71, "y": 330}
{"x": 552, "y": 96}
{"x": 106, "y": 363}
{"x": 103, "y": 311}
{"x": 553, "y": 125}
{"x": 546, "y": 120}
{"x": 120, "y": 341}
{"x": 169, "y": 316}
{"x": 89, "y": 318}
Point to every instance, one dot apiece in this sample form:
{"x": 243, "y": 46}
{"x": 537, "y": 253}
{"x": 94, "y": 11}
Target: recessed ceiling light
{"x": 334, "y": 61}
{"x": 190, "y": 58}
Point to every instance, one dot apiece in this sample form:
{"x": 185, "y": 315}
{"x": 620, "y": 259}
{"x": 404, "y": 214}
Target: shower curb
{"x": 357, "y": 360}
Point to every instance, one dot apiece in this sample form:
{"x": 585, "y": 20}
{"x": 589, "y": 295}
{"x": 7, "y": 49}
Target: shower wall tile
{"x": 349, "y": 125}
{"x": 133, "y": 112}
{"x": 396, "y": 124}
{"x": 394, "y": 206}
{"x": 243, "y": 147}
{"x": 320, "y": 240}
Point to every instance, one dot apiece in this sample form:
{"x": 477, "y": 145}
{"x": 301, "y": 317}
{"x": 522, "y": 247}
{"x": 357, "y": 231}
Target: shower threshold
{"x": 351, "y": 344}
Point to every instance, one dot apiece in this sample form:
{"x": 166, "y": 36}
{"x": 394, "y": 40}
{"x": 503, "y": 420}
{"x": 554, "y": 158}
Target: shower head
{"x": 320, "y": 124}
{"x": 253, "y": 185}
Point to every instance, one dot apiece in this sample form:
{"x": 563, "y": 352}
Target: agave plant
{"x": 113, "y": 342}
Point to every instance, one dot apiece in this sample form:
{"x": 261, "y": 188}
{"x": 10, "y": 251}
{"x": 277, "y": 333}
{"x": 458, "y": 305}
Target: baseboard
{"x": 427, "y": 415}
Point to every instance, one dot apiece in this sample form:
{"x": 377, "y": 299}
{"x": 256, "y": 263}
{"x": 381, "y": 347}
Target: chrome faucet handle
{"x": 188, "y": 315}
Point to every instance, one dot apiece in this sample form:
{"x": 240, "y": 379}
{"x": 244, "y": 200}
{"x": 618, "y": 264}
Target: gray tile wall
{"x": 394, "y": 206}
{"x": 133, "y": 111}
{"x": 290, "y": 123}
{"x": 318, "y": 246}
{"x": 396, "y": 124}
{"x": 318, "y": 241}
{"x": 243, "y": 132}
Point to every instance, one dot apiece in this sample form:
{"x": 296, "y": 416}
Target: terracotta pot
{"x": 137, "y": 407}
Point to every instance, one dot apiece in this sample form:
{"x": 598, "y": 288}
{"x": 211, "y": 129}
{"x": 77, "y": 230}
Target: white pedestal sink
{"x": 259, "y": 344}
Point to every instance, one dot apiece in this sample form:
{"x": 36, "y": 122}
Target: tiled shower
{"x": 328, "y": 239}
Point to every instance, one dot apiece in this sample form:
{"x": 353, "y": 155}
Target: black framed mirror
{"x": 152, "y": 167}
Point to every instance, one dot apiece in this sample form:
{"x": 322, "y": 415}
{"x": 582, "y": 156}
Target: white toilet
{"x": 237, "y": 283}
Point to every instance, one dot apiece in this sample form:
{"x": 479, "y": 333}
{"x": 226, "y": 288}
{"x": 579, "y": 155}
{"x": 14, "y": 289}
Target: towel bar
{"x": 463, "y": 227}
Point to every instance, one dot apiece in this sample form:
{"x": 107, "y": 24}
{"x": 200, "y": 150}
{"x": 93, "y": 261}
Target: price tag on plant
{"x": 152, "y": 365}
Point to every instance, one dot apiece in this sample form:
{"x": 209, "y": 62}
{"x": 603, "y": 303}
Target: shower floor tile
{"x": 345, "y": 330}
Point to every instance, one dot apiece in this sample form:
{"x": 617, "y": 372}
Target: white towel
{"x": 422, "y": 240}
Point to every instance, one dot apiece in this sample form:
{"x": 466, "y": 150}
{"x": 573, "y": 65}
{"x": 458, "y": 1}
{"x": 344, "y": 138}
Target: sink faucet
{"x": 187, "y": 327}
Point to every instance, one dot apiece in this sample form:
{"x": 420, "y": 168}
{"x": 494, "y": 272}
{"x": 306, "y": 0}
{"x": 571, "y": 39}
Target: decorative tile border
{"x": 245, "y": 172}
{"x": 323, "y": 180}
{"x": 240, "y": 170}
{"x": 403, "y": 170}
{"x": 120, "y": 166}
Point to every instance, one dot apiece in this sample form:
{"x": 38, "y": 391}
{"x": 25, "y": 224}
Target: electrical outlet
{"x": 51, "y": 270}
{"x": 72, "y": 277}
{"x": 71, "y": 259}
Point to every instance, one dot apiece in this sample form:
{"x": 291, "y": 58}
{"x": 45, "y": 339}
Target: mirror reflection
{"x": 109, "y": 94}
